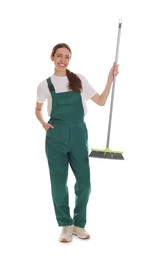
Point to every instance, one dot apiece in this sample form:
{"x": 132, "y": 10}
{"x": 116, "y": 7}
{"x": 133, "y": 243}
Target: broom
{"x": 107, "y": 153}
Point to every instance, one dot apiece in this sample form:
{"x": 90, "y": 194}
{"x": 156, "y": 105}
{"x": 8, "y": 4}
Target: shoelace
{"x": 81, "y": 229}
{"x": 65, "y": 229}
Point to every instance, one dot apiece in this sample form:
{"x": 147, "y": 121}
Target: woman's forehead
{"x": 63, "y": 51}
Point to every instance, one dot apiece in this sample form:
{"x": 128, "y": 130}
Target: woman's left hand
{"x": 114, "y": 71}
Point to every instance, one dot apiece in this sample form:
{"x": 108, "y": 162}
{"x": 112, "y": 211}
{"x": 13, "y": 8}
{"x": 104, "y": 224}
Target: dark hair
{"x": 75, "y": 83}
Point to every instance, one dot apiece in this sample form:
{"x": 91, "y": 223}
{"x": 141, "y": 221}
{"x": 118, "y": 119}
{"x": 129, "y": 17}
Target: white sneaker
{"x": 66, "y": 234}
{"x": 80, "y": 232}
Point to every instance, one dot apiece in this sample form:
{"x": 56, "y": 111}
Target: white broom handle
{"x": 113, "y": 86}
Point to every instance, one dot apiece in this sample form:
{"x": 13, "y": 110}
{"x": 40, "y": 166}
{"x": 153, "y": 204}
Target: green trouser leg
{"x": 82, "y": 191}
{"x": 58, "y": 177}
{"x": 79, "y": 161}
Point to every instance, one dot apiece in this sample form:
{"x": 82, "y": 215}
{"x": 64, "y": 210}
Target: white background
{"x": 124, "y": 211}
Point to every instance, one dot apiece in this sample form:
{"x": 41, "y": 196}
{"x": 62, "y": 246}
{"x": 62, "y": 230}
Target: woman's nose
{"x": 63, "y": 59}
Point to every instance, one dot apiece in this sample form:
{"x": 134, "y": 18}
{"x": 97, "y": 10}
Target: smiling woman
{"x": 67, "y": 138}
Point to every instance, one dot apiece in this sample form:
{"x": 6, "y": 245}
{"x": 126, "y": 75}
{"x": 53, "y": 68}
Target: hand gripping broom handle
{"x": 113, "y": 87}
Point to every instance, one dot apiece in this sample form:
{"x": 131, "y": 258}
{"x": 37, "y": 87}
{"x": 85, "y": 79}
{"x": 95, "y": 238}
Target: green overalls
{"x": 66, "y": 144}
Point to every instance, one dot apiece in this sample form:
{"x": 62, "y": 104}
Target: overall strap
{"x": 50, "y": 85}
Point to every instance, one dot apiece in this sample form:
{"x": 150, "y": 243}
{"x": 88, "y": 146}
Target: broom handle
{"x": 113, "y": 86}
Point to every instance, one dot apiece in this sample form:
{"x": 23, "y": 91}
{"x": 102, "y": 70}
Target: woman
{"x": 66, "y": 138}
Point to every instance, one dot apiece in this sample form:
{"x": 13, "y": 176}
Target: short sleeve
{"x": 42, "y": 92}
{"x": 88, "y": 90}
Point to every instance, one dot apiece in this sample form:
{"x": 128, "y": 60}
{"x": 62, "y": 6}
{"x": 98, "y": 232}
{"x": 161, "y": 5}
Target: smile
{"x": 62, "y": 65}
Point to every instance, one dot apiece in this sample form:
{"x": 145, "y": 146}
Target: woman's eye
{"x": 60, "y": 56}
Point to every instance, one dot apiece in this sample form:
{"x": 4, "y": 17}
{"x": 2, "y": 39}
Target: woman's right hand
{"x": 47, "y": 126}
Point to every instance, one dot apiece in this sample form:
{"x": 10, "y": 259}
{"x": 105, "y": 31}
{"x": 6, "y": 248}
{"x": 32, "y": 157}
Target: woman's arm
{"x": 101, "y": 99}
{"x": 38, "y": 112}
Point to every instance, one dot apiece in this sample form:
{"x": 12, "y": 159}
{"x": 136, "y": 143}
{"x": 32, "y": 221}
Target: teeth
{"x": 62, "y": 65}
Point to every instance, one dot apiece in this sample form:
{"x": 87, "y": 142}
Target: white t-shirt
{"x": 61, "y": 85}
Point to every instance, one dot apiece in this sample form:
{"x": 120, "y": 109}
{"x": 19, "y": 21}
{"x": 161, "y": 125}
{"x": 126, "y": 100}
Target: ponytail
{"x": 75, "y": 83}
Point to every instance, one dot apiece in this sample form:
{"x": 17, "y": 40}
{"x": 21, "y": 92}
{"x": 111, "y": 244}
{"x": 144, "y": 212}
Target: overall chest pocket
{"x": 67, "y": 98}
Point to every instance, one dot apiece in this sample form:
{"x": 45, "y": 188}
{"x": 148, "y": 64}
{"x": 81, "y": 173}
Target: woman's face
{"x": 61, "y": 59}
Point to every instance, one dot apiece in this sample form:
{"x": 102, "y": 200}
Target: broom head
{"x": 106, "y": 154}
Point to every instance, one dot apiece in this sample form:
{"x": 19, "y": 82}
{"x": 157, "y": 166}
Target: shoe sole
{"x": 65, "y": 241}
{"x": 87, "y": 237}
